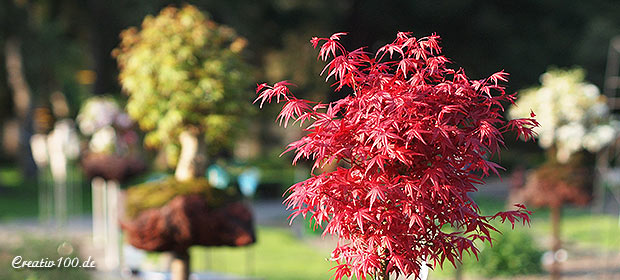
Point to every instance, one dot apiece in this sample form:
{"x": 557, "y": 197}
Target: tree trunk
{"x": 191, "y": 165}
{"x": 556, "y": 217}
{"x": 105, "y": 23}
{"x": 22, "y": 102}
{"x": 16, "y": 77}
{"x": 192, "y": 159}
{"x": 179, "y": 268}
{"x": 383, "y": 276}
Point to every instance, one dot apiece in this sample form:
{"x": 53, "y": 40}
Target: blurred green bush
{"x": 513, "y": 253}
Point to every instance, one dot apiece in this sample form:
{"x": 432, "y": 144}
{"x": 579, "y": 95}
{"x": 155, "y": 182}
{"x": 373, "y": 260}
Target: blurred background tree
{"x": 186, "y": 81}
{"x": 575, "y": 124}
{"x": 188, "y": 87}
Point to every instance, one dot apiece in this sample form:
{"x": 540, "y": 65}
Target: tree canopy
{"x": 183, "y": 71}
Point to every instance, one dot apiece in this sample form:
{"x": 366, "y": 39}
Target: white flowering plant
{"x": 572, "y": 113}
{"x": 107, "y": 126}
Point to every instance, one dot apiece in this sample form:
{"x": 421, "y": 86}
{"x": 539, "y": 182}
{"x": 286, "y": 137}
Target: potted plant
{"x": 411, "y": 139}
{"x": 186, "y": 82}
{"x": 574, "y": 124}
{"x": 112, "y": 157}
{"x": 112, "y": 151}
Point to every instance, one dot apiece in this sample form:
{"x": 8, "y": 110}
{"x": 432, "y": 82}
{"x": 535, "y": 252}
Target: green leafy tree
{"x": 187, "y": 83}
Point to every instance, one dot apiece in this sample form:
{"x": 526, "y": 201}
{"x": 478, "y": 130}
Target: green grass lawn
{"x": 579, "y": 226}
{"x": 583, "y": 229}
{"x": 18, "y": 204}
{"x": 278, "y": 255}
{"x": 19, "y": 196}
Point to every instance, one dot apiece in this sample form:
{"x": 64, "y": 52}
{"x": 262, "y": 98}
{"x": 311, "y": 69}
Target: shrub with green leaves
{"x": 512, "y": 253}
{"x": 183, "y": 71}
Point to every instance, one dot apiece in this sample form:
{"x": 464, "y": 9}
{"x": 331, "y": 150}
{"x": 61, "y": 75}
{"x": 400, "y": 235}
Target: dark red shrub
{"x": 409, "y": 141}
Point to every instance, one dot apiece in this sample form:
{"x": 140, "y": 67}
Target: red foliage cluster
{"x": 409, "y": 141}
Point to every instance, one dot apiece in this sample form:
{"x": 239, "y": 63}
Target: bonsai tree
{"x": 574, "y": 121}
{"x": 411, "y": 140}
{"x": 186, "y": 82}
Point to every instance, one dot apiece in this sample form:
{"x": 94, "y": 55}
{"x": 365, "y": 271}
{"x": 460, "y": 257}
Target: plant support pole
{"x": 556, "y": 216}
{"x": 98, "y": 186}
{"x": 112, "y": 250}
{"x": 179, "y": 267}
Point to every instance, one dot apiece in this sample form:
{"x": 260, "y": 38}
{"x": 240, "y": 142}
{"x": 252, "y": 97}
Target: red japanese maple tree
{"x": 409, "y": 141}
